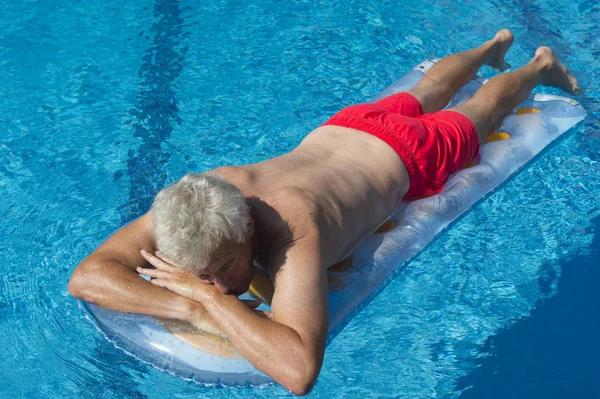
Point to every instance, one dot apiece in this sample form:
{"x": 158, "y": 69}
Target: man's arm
{"x": 290, "y": 344}
{"x": 289, "y": 347}
{"x": 107, "y": 277}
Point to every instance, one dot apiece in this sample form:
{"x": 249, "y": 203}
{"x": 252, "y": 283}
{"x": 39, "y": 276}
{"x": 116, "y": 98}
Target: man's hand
{"x": 174, "y": 278}
{"x": 182, "y": 282}
{"x": 288, "y": 344}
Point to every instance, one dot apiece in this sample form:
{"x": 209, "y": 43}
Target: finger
{"x": 178, "y": 289}
{"x": 169, "y": 261}
{"x": 159, "y": 282}
{"x": 156, "y": 261}
{"x": 154, "y": 273}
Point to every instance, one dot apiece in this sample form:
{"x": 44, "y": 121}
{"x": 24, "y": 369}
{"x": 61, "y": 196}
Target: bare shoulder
{"x": 296, "y": 201}
{"x": 299, "y": 233}
{"x": 300, "y": 278}
{"x": 125, "y": 244}
{"x": 298, "y": 210}
{"x": 240, "y": 176}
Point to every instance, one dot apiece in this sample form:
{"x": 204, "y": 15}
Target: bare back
{"x": 342, "y": 181}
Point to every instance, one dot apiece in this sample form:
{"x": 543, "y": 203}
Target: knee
{"x": 478, "y": 114}
{"x": 432, "y": 94}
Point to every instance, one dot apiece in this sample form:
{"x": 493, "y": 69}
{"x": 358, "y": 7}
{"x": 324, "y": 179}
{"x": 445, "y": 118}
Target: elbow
{"x": 302, "y": 381}
{"x": 301, "y": 386}
{"x": 300, "y": 389}
{"x": 81, "y": 283}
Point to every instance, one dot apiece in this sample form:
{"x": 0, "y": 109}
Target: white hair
{"x": 197, "y": 214}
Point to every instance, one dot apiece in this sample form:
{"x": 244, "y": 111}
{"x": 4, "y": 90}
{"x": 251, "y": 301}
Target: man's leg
{"x": 501, "y": 94}
{"x": 451, "y": 73}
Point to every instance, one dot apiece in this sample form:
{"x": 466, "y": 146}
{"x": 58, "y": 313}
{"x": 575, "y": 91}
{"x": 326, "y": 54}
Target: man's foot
{"x": 499, "y": 46}
{"x": 555, "y": 73}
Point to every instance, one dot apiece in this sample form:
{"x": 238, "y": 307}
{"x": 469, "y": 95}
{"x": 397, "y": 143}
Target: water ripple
{"x": 94, "y": 120}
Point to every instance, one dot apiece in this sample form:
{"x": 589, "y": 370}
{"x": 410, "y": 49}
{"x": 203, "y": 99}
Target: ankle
{"x": 489, "y": 48}
{"x": 492, "y": 52}
{"x": 543, "y": 58}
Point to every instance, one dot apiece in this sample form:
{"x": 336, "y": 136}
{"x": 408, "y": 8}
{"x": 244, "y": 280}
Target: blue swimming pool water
{"x": 103, "y": 103}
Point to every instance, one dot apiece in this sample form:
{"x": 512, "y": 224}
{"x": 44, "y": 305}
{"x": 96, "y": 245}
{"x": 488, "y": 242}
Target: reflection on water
{"x": 156, "y": 111}
{"x": 267, "y": 72}
{"x": 552, "y": 353}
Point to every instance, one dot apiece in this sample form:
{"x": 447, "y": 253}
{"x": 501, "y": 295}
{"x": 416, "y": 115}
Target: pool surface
{"x": 105, "y": 102}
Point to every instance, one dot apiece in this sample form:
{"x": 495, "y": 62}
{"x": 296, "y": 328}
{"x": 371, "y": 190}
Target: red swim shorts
{"x": 431, "y": 146}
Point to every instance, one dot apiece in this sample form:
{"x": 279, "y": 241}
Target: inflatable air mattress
{"x": 209, "y": 359}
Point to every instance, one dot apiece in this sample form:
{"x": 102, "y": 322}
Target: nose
{"x": 222, "y": 285}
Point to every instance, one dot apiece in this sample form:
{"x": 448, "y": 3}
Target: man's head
{"x": 203, "y": 223}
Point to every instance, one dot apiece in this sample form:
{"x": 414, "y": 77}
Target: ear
{"x": 251, "y": 227}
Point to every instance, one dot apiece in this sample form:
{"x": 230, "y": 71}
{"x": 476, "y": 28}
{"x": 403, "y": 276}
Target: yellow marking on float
{"x": 497, "y": 137}
{"x": 338, "y": 267}
{"x": 384, "y": 228}
{"x": 525, "y": 111}
{"x": 262, "y": 288}
{"x": 472, "y": 162}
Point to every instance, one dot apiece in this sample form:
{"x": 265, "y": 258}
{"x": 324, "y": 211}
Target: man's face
{"x": 231, "y": 268}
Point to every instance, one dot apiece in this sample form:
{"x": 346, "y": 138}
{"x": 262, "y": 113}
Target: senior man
{"x": 297, "y": 214}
